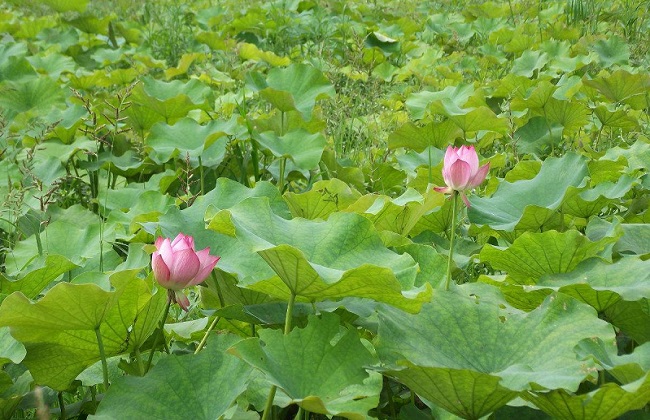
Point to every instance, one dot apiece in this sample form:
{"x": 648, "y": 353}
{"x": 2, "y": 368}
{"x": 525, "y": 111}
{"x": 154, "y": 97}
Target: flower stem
{"x": 289, "y": 316}
{"x": 430, "y": 175}
{"x": 157, "y": 338}
{"x": 138, "y": 359}
{"x": 102, "y": 355}
{"x": 283, "y": 164}
{"x": 287, "y": 329}
{"x": 207, "y": 333}
{"x": 452, "y": 235}
{"x": 218, "y": 286}
{"x": 62, "y": 416}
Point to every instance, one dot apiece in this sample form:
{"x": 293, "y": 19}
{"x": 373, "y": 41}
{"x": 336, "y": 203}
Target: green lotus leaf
{"x": 631, "y": 238}
{"x": 612, "y": 50}
{"x": 92, "y": 24}
{"x": 322, "y": 367}
{"x": 563, "y": 60}
{"x": 48, "y": 170}
{"x": 385, "y": 43}
{"x": 296, "y": 87}
{"x": 529, "y": 62}
{"x": 433, "y": 265}
{"x": 607, "y": 402}
{"x": 303, "y": 148}
{"x": 413, "y": 137}
{"x": 463, "y": 392}
{"x": 140, "y": 118}
{"x": 637, "y": 155}
{"x": 227, "y": 193}
{"x": 571, "y": 115}
{"x": 568, "y": 86}
{"x": 75, "y": 235}
{"x": 513, "y": 204}
{"x": 537, "y": 136}
{"x": 601, "y": 284}
{"x": 632, "y": 318}
{"x": 178, "y": 385}
{"x": 251, "y": 52}
{"x": 187, "y": 137}
{"x": 323, "y": 199}
{"x": 589, "y": 202}
{"x": 480, "y": 118}
{"x": 535, "y": 98}
{"x": 533, "y": 255}
{"x": 94, "y": 374}
{"x": 223, "y": 286}
{"x": 37, "y": 95}
{"x": 622, "y": 86}
{"x": 150, "y": 305}
{"x": 619, "y": 118}
{"x": 297, "y": 276}
{"x": 515, "y": 85}
{"x": 171, "y": 100}
{"x": 37, "y": 276}
{"x": 12, "y": 61}
{"x": 388, "y": 178}
{"x": 184, "y": 64}
{"x": 13, "y": 396}
{"x": 400, "y": 214}
{"x": 236, "y": 258}
{"x": 317, "y": 260}
{"x": 452, "y": 99}
{"x": 419, "y": 164}
{"x": 132, "y": 206}
{"x": 625, "y": 368}
{"x": 465, "y": 351}
{"x": 67, "y": 5}
{"x": 10, "y": 349}
{"x": 70, "y": 119}
{"x": 60, "y": 330}
{"x": 52, "y": 64}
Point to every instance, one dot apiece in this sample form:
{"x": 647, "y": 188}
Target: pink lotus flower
{"x": 461, "y": 171}
{"x": 176, "y": 265}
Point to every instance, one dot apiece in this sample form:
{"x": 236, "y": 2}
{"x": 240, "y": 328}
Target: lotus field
{"x": 320, "y": 209}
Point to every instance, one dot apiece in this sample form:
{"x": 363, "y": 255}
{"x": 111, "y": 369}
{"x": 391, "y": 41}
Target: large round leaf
{"x": 303, "y": 148}
{"x": 200, "y": 387}
{"x": 317, "y": 260}
{"x": 296, "y": 87}
{"x": 321, "y": 367}
{"x": 530, "y": 203}
{"x": 601, "y": 284}
{"x": 533, "y": 255}
{"x": 187, "y": 137}
{"x": 459, "y": 343}
{"x": 607, "y": 402}
{"x": 60, "y": 330}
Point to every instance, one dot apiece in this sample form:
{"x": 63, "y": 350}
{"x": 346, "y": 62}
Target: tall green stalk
{"x": 102, "y": 355}
{"x": 287, "y": 329}
{"x": 161, "y": 333}
{"x": 430, "y": 175}
{"x": 213, "y": 324}
{"x": 215, "y": 321}
{"x": 452, "y": 235}
{"x": 201, "y": 176}
{"x": 283, "y": 165}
